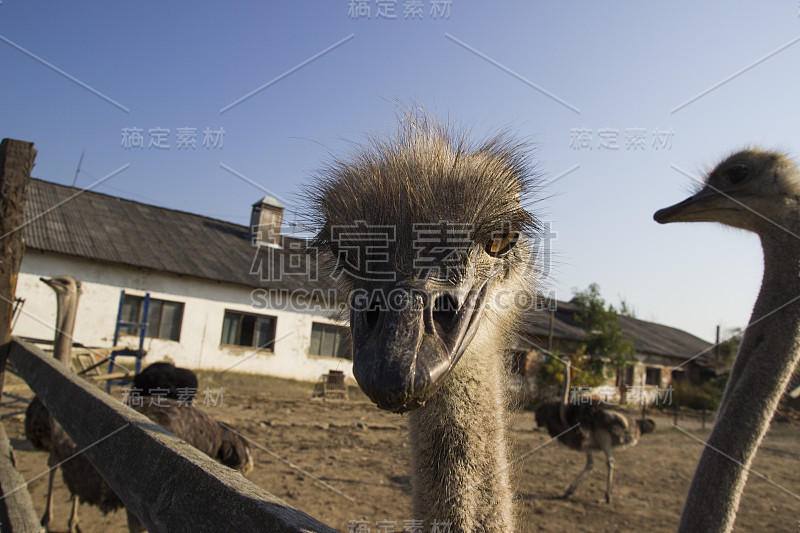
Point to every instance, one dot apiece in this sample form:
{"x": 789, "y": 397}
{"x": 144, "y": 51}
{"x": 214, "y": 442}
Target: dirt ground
{"x": 358, "y": 457}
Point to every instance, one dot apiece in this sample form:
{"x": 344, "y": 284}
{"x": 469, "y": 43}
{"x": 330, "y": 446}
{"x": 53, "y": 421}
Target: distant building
{"x": 221, "y": 295}
{"x": 662, "y": 353}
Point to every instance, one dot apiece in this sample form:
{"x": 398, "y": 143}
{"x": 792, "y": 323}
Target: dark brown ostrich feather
{"x": 234, "y": 451}
{"x": 37, "y": 425}
{"x": 186, "y": 421}
{"x": 176, "y": 382}
{"x": 215, "y": 439}
{"x": 78, "y": 473}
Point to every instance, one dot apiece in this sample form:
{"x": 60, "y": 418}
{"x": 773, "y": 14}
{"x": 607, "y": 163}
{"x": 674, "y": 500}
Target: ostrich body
{"x": 175, "y": 382}
{"x": 37, "y": 425}
{"x": 214, "y": 438}
{"x": 81, "y": 477}
{"x": 589, "y": 427}
{"x": 760, "y": 192}
{"x": 83, "y": 481}
{"x": 427, "y": 234}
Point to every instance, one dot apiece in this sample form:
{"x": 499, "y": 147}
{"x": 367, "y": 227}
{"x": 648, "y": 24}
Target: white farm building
{"x": 220, "y": 295}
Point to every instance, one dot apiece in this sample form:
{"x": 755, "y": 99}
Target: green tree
{"x": 550, "y": 376}
{"x": 606, "y": 347}
{"x": 552, "y": 372}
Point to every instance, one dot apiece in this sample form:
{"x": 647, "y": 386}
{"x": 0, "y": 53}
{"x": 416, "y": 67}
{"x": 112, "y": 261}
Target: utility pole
{"x": 78, "y": 170}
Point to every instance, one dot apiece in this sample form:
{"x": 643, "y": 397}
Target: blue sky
{"x": 547, "y": 70}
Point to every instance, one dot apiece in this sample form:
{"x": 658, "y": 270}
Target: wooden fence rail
{"x": 168, "y": 484}
{"x": 18, "y": 514}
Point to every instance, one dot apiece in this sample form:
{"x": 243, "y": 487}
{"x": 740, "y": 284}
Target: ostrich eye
{"x": 738, "y": 173}
{"x": 501, "y": 244}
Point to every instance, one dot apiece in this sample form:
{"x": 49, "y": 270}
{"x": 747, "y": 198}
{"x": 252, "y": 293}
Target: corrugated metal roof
{"x": 647, "y": 337}
{"x": 96, "y": 226}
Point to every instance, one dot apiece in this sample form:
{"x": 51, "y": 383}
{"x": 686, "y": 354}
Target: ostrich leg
{"x": 610, "y": 479}
{"x": 574, "y": 486}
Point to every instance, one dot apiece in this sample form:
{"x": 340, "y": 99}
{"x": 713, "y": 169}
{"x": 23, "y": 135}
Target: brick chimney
{"x": 265, "y": 222}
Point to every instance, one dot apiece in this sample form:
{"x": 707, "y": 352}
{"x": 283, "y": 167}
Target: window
{"x": 653, "y": 376}
{"x": 245, "y": 329}
{"x": 329, "y": 341}
{"x": 625, "y": 376}
{"x": 164, "y": 318}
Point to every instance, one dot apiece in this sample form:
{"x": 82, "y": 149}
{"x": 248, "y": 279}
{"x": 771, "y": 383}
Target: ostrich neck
{"x": 458, "y": 441}
{"x": 67, "y": 307}
{"x": 562, "y": 409}
{"x": 763, "y": 366}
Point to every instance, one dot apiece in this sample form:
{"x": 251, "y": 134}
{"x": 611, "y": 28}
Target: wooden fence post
{"x": 16, "y": 163}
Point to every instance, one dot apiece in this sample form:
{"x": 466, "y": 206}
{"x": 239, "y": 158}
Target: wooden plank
{"x": 168, "y": 484}
{"x": 106, "y": 377}
{"x": 19, "y": 514}
{"x": 16, "y": 163}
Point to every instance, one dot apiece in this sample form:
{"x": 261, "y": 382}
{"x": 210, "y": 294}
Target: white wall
{"x": 204, "y": 302}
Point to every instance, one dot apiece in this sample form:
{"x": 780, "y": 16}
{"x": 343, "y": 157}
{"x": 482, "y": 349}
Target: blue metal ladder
{"x": 125, "y": 352}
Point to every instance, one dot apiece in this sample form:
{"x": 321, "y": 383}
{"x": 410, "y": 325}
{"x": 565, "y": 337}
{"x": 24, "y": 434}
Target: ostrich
{"x": 48, "y": 435}
{"x": 38, "y": 422}
{"x": 214, "y": 438}
{"x": 210, "y": 436}
{"x": 589, "y": 427}
{"x": 177, "y": 383}
{"x": 426, "y": 237}
{"x": 756, "y": 191}
{"x": 82, "y": 479}
{"x": 180, "y": 384}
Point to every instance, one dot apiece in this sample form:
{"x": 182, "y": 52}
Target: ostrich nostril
{"x": 372, "y": 313}
{"x": 445, "y": 308}
{"x": 371, "y": 317}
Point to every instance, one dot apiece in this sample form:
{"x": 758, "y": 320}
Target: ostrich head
{"x": 741, "y": 192}
{"x": 427, "y": 236}
{"x": 63, "y": 284}
{"x": 67, "y": 288}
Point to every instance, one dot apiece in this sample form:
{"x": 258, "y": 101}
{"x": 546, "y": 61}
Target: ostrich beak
{"x": 696, "y": 208}
{"x": 403, "y": 352}
{"x": 48, "y": 281}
